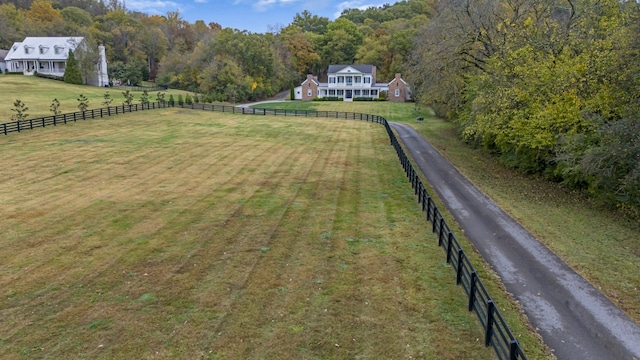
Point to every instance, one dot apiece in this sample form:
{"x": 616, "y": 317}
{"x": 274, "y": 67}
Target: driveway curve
{"x": 573, "y": 317}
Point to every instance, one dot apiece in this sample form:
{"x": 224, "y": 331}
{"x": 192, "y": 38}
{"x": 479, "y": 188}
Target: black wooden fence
{"x": 497, "y": 332}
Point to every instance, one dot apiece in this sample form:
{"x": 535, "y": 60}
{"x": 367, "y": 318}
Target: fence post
{"x": 472, "y": 290}
{"x": 54, "y": 121}
{"x": 441, "y": 232}
{"x": 18, "y": 122}
{"x": 449, "y": 245}
{"x": 513, "y": 349}
{"x": 491, "y": 307}
{"x": 460, "y": 266}
{"x": 5, "y": 128}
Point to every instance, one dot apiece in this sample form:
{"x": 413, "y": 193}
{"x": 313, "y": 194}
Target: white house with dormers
{"x": 48, "y": 55}
{"x": 350, "y": 82}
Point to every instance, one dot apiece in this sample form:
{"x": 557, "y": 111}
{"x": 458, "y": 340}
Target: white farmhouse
{"x": 350, "y": 82}
{"x": 48, "y": 55}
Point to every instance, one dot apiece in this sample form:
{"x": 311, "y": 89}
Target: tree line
{"x": 550, "y": 86}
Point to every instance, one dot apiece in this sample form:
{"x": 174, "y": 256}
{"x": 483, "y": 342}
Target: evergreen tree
{"x": 72, "y": 72}
{"x": 292, "y": 95}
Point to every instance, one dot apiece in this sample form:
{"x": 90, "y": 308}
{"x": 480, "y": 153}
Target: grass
{"x": 599, "y": 244}
{"x": 38, "y": 94}
{"x": 187, "y": 234}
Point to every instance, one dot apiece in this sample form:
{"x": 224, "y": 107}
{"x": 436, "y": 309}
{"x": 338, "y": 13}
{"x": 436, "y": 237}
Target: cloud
{"x": 201, "y": 1}
{"x": 355, "y": 4}
{"x": 263, "y": 5}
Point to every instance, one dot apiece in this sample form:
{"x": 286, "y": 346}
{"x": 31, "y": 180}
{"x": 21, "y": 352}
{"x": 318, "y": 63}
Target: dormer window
{"x": 27, "y": 49}
{"x": 43, "y": 49}
{"x": 58, "y": 49}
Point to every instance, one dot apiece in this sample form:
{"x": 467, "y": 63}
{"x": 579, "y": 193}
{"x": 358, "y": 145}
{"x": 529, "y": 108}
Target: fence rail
{"x": 497, "y": 332}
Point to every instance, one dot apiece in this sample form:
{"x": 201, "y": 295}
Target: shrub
{"x": 171, "y": 100}
{"x": 180, "y": 99}
{"x": 188, "y": 99}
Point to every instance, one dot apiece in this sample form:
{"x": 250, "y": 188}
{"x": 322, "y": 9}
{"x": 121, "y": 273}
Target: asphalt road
{"x": 573, "y": 317}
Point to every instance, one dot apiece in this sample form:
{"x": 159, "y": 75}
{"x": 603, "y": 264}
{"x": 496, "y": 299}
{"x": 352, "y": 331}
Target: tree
{"x": 107, "y": 99}
{"x": 144, "y": 97}
{"x": 341, "y": 42}
{"x": 128, "y": 97}
{"x": 55, "y": 107}
{"x": 72, "y": 73}
{"x": 160, "y": 98}
{"x": 292, "y": 95}
{"x": 19, "y": 108}
{"x": 83, "y": 103}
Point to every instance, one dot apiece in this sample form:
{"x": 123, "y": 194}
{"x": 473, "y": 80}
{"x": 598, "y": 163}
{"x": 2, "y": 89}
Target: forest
{"x": 551, "y": 87}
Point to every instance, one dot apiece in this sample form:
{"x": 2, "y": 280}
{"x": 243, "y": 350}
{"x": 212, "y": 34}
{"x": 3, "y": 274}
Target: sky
{"x": 258, "y": 16}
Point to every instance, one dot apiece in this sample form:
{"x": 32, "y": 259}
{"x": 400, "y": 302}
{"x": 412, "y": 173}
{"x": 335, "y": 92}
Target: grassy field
{"x": 187, "y": 234}
{"x": 38, "y": 94}
{"x": 600, "y": 245}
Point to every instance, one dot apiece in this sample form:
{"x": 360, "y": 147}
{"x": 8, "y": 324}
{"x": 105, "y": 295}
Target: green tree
{"x": 160, "y": 98}
{"x": 55, "y": 107}
{"x": 107, "y": 99}
{"x": 128, "y": 97}
{"x": 171, "y": 100}
{"x": 20, "y": 110}
{"x": 83, "y": 102}
{"x": 292, "y": 95}
{"x": 72, "y": 72}
{"x": 188, "y": 99}
{"x": 144, "y": 97}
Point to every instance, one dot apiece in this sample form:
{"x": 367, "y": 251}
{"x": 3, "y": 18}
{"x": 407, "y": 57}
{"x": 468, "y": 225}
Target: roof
{"x": 3, "y": 54}
{"x": 43, "y": 48}
{"x": 365, "y": 69}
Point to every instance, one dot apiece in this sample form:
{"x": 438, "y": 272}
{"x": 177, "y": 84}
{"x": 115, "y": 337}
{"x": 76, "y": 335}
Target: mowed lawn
{"x": 186, "y": 234}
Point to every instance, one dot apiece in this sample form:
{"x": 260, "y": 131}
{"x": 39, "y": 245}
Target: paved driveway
{"x": 574, "y": 318}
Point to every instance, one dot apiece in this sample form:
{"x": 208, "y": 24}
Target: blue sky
{"x": 251, "y": 15}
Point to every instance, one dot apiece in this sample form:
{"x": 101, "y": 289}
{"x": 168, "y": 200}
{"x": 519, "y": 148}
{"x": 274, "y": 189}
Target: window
{"x": 397, "y": 92}
{"x": 340, "y": 92}
{"x": 340, "y": 79}
{"x": 332, "y": 93}
{"x": 43, "y": 49}
{"x": 365, "y": 92}
{"x": 318, "y": 92}
{"x": 58, "y": 49}
{"x": 332, "y": 80}
{"x": 349, "y": 80}
{"x": 358, "y": 79}
{"x": 374, "y": 92}
{"x": 367, "y": 80}
{"x": 356, "y": 92}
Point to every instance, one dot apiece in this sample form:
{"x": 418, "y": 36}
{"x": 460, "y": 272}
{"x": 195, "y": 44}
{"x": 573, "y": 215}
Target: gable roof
{"x": 365, "y": 69}
{"x": 43, "y": 48}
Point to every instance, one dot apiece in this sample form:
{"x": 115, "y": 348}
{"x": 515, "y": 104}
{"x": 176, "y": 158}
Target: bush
{"x": 362, "y": 99}
{"x": 47, "y": 76}
{"x": 180, "y": 99}
{"x": 188, "y": 99}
